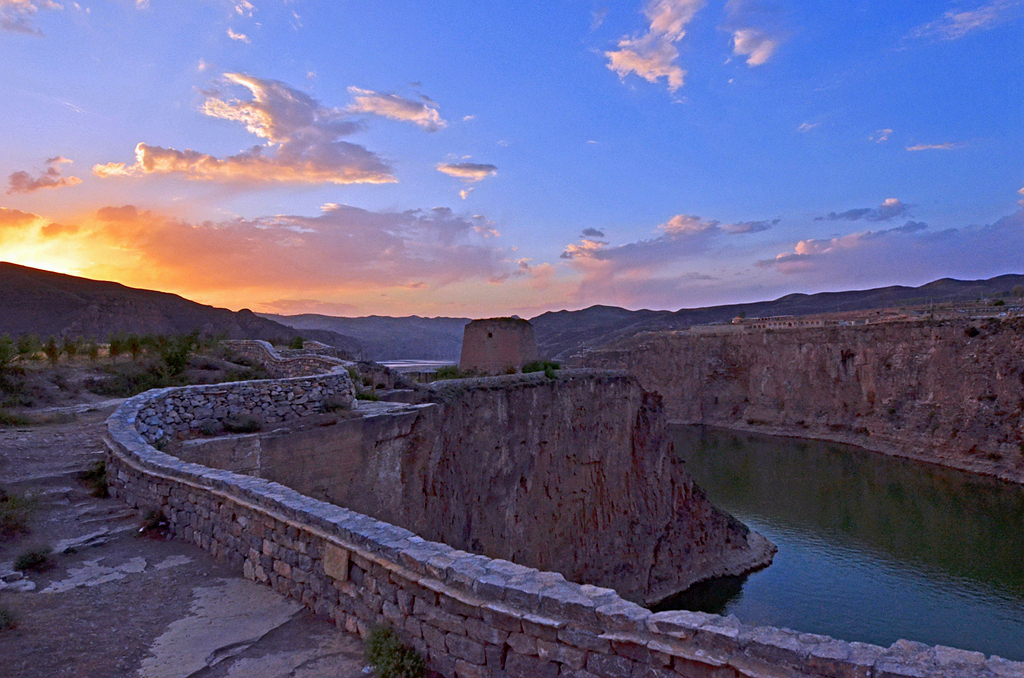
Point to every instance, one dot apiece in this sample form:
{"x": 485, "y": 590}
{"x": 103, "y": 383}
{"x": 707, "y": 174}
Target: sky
{"x": 481, "y": 158}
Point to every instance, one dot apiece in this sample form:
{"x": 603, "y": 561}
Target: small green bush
{"x": 36, "y": 560}
{"x": 95, "y": 478}
{"x": 154, "y": 524}
{"x": 52, "y": 350}
{"x": 297, "y": 343}
{"x": 335, "y": 404}
{"x": 390, "y": 658}
{"x": 242, "y": 424}
{"x": 7, "y": 621}
{"x": 8, "y": 419}
{"x": 451, "y": 372}
{"x": 15, "y": 511}
{"x": 8, "y": 352}
{"x": 540, "y": 366}
{"x": 367, "y": 395}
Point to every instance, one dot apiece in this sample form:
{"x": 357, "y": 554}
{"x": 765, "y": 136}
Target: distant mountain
{"x": 386, "y": 338}
{"x": 46, "y": 303}
{"x": 561, "y": 334}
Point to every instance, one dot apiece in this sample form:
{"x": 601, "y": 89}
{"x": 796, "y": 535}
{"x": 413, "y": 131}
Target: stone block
{"x": 523, "y": 666}
{"x": 523, "y": 644}
{"x": 609, "y": 665}
{"x": 563, "y": 654}
{"x": 478, "y": 630}
{"x": 464, "y": 669}
{"x": 466, "y": 648}
{"x": 582, "y": 638}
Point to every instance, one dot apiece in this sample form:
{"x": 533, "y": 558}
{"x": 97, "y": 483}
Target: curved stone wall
{"x": 297, "y": 364}
{"x": 467, "y": 614}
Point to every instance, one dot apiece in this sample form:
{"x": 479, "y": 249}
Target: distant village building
{"x": 497, "y": 344}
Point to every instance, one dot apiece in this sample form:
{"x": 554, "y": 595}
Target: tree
{"x": 92, "y": 350}
{"x": 116, "y": 346}
{"x": 134, "y": 345}
{"x": 70, "y": 347}
{"x": 175, "y": 352}
{"x": 52, "y": 350}
{"x": 297, "y": 342}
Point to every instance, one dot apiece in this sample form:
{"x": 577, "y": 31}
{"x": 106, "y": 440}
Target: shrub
{"x": 6, "y": 620}
{"x": 972, "y": 331}
{"x": 35, "y": 560}
{"x": 7, "y": 352}
{"x": 28, "y": 345}
{"x": 127, "y": 380}
{"x": 545, "y": 366}
{"x": 95, "y": 478}
{"x": 211, "y": 428}
{"x": 390, "y": 658}
{"x": 154, "y": 524}
{"x": 134, "y": 345}
{"x": 367, "y": 395}
{"x": 70, "y": 347}
{"x": 450, "y": 372}
{"x": 92, "y": 349}
{"x": 8, "y": 419}
{"x": 297, "y": 343}
{"x": 52, "y": 350}
{"x": 242, "y": 424}
{"x": 999, "y": 302}
{"x": 335, "y": 404}
{"x": 175, "y": 351}
{"x": 15, "y": 511}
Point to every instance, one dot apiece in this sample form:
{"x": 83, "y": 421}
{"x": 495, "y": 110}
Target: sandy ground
{"x": 118, "y": 604}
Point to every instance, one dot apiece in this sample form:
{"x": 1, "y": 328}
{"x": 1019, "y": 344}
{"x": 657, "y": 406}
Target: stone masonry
{"x": 469, "y": 615}
{"x": 497, "y": 345}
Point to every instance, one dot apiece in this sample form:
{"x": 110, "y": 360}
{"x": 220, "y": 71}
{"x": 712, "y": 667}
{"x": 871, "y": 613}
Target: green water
{"x": 871, "y": 548}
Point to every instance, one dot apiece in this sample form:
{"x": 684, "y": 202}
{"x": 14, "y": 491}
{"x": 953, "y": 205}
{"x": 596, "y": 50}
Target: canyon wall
{"x": 574, "y": 475}
{"x": 949, "y": 392}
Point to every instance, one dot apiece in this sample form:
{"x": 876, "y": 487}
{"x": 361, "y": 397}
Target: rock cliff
{"x": 948, "y": 392}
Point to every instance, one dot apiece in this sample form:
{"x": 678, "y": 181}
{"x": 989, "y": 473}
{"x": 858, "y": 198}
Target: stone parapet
{"x": 467, "y": 614}
{"x": 293, "y": 363}
{"x": 175, "y": 413}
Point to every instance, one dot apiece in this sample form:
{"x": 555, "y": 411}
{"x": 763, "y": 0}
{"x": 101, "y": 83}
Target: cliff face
{"x": 575, "y": 474}
{"x": 950, "y": 393}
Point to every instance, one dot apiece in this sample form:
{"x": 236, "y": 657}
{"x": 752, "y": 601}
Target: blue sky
{"x": 462, "y": 158}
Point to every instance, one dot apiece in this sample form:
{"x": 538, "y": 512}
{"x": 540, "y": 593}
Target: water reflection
{"x": 870, "y": 547}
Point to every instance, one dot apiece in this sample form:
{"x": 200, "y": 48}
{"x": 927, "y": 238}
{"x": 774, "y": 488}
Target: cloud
{"x": 597, "y": 17}
{"x": 807, "y": 126}
{"x": 273, "y": 257}
{"x": 956, "y": 24}
{"x": 889, "y": 209}
{"x": 948, "y": 146}
{"x": 755, "y": 30}
{"x": 467, "y": 171}
{"x": 15, "y": 15}
{"x": 23, "y": 182}
{"x": 881, "y": 136}
{"x": 303, "y": 143}
{"x": 397, "y": 108}
{"x": 464, "y": 193}
{"x": 591, "y": 233}
{"x": 652, "y": 55}
{"x": 910, "y": 255}
{"x": 756, "y": 44}
{"x": 295, "y": 306}
{"x": 244, "y": 8}
{"x": 240, "y": 37}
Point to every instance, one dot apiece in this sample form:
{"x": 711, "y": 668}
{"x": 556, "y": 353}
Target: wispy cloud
{"x": 240, "y": 37}
{"x": 23, "y": 182}
{"x": 420, "y": 113}
{"x": 302, "y": 135}
{"x": 956, "y": 24}
{"x": 948, "y": 146}
{"x": 755, "y": 30}
{"x": 652, "y": 56}
{"x": 881, "y": 136}
{"x": 807, "y": 126}
{"x": 889, "y": 209}
{"x": 467, "y": 171}
{"x": 16, "y": 15}
{"x": 597, "y": 17}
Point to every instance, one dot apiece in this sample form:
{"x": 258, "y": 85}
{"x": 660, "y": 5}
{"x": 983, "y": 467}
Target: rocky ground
{"x": 115, "y": 603}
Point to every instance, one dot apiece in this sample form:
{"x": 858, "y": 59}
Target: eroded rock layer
{"x": 950, "y": 393}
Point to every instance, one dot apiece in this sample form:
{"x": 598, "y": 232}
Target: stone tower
{"x": 496, "y": 344}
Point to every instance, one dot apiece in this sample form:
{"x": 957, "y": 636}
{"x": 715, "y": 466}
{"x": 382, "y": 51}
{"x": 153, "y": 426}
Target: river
{"x": 871, "y": 548}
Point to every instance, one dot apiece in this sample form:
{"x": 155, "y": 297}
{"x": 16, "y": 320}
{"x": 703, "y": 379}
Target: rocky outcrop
{"x": 950, "y": 393}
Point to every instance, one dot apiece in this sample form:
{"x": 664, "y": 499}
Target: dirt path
{"x": 116, "y": 604}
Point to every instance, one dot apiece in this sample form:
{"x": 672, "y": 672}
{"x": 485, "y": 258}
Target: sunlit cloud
{"x": 273, "y": 257}
{"x": 881, "y": 136}
{"x": 16, "y": 15}
{"x": 757, "y": 45}
{"x": 244, "y": 8}
{"x": 303, "y": 143}
{"x": 23, "y": 182}
{"x": 948, "y": 146}
{"x": 467, "y": 171}
{"x": 956, "y": 24}
{"x": 397, "y": 108}
{"x": 240, "y": 37}
{"x": 653, "y": 55}
{"x": 889, "y": 209}
{"x": 464, "y": 193}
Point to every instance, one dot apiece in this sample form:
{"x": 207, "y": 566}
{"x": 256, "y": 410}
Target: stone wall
{"x": 949, "y": 392}
{"x": 177, "y": 413}
{"x": 495, "y": 345}
{"x": 470, "y": 615}
{"x": 293, "y": 363}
